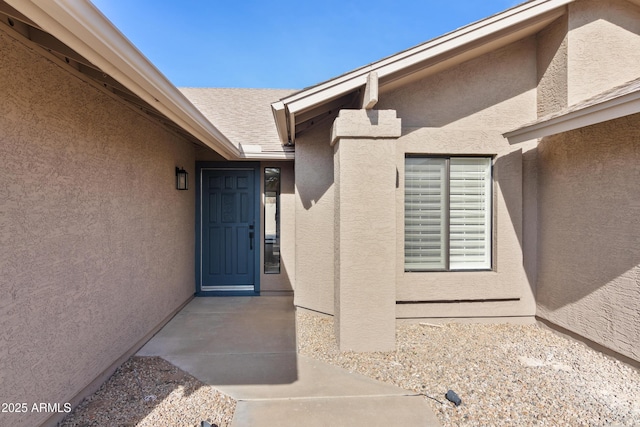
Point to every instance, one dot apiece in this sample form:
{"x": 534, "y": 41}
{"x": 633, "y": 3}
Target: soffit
{"x": 29, "y": 31}
{"x": 81, "y": 37}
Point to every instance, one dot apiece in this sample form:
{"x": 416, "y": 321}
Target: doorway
{"x": 228, "y": 229}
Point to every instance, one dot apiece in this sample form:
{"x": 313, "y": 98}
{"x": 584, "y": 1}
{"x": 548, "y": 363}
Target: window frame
{"x": 447, "y": 209}
{"x": 275, "y": 243}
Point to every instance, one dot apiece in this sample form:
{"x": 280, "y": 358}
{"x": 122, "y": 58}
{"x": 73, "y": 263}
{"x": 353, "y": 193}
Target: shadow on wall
{"x": 277, "y": 282}
{"x": 624, "y": 15}
{"x": 280, "y": 281}
{"x": 314, "y": 165}
{"x": 552, "y": 67}
{"x": 507, "y": 173}
{"x": 511, "y": 177}
{"x": 287, "y": 191}
{"x": 285, "y": 274}
{"x": 483, "y": 93}
{"x": 589, "y": 217}
{"x": 205, "y": 154}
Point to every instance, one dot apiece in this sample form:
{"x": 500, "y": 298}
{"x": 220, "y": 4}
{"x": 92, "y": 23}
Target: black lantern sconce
{"x": 182, "y": 182}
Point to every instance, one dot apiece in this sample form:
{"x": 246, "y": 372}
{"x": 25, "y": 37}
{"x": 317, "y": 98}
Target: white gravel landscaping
{"x": 505, "y": 375}
{"x": 151, "y": 392}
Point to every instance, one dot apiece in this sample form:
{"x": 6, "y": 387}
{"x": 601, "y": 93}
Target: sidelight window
{"x": 272, "y": 220}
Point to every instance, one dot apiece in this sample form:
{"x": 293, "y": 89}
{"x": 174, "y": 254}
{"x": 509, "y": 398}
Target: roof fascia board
{"x": 95, "y": 38}
{"x": 622, "y": 106}
{"x": 270, "y": 156}
{"x": 498, "y": 25}
{"x": 280, "y": 116}
{"x": 302, "y": 104}
{"x": 495, "y": 24}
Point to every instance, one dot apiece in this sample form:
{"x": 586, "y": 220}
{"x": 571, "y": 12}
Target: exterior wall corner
{"x": 365, "y": 222}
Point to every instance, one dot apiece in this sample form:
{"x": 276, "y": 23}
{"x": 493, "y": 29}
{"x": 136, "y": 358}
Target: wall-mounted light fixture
{"x": 182, "y": 182}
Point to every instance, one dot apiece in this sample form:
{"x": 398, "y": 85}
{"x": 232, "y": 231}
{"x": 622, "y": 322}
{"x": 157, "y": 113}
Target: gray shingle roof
{"x": 242, "y": 115}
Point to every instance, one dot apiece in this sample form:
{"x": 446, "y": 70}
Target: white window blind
{"x": 447, "y": 213}
{"x": 469, "y": 213}
{"x": 425, "y": 217}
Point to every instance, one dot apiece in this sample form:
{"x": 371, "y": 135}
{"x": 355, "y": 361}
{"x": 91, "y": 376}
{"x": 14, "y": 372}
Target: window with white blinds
{"x": 447, "y": 213}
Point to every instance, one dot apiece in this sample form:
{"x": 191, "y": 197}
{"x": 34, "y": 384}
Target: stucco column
{"x": 365, "y": 228}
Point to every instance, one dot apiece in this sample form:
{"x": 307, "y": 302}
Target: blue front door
{"x": 229, "y": 232}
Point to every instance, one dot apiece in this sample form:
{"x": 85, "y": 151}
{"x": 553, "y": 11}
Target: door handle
{"x": 251, "y": 236}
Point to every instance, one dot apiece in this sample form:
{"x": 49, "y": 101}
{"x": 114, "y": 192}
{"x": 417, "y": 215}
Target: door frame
{"x": 200, "y": 167}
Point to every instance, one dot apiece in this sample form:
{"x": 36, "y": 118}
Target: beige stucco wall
{"x": 492, "y": 92}
{"x": 463, "y": 111}
{"x": 589, "y": 214}
{"x": 552, "y": 55}
{"x": 365, "y": 229}
{"x": 589, "y": 50}
{"x": 204, "y": 154}
{"x": 97, "y": 244}
{"x": 588, "y": 276}
{"x": 314, "y": 226}
{"x": 285, "y": 280}
{"x": 603, "y": 46}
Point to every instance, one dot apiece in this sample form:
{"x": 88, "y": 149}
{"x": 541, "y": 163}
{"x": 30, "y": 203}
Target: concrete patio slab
{"x": 315, "y": 379}
{"x": 336, "y": 412}
{"x": 230, "y": 371}
{"x": 246, "y": 348}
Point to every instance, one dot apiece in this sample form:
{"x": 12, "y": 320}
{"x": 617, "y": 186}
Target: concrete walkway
{"x": 246, "y": 348}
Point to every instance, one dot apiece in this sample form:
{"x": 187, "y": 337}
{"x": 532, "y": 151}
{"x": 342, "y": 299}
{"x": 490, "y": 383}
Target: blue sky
{"x": 282, "y": 43}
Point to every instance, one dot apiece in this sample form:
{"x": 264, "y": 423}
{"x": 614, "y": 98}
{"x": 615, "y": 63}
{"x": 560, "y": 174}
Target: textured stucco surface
{"x": 493, "y": 91}
{"x": 587, "y": 185}
{"x": 205, "y": 154}
{"x": 365, "y": 229}
{"x": 603, "y": 46}
{"x": 552, "y": 67}
{"x": 463, "y": 111}
{"x": 508, "y": 279}
{"x": 460, "y": 111}
{"x": 371, "y": 123}
{"x": 314, "y": 220}
{"x": 97, "y": 244}
{"x": 589, "y": 229}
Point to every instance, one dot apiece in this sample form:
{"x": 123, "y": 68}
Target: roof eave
{"x": 611, "y": 109}
{"x": 280, "y": 116}
{"x": 289, "y": 155}
{"x": 83, "y": 28}
{"x": 497, "y": 24}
